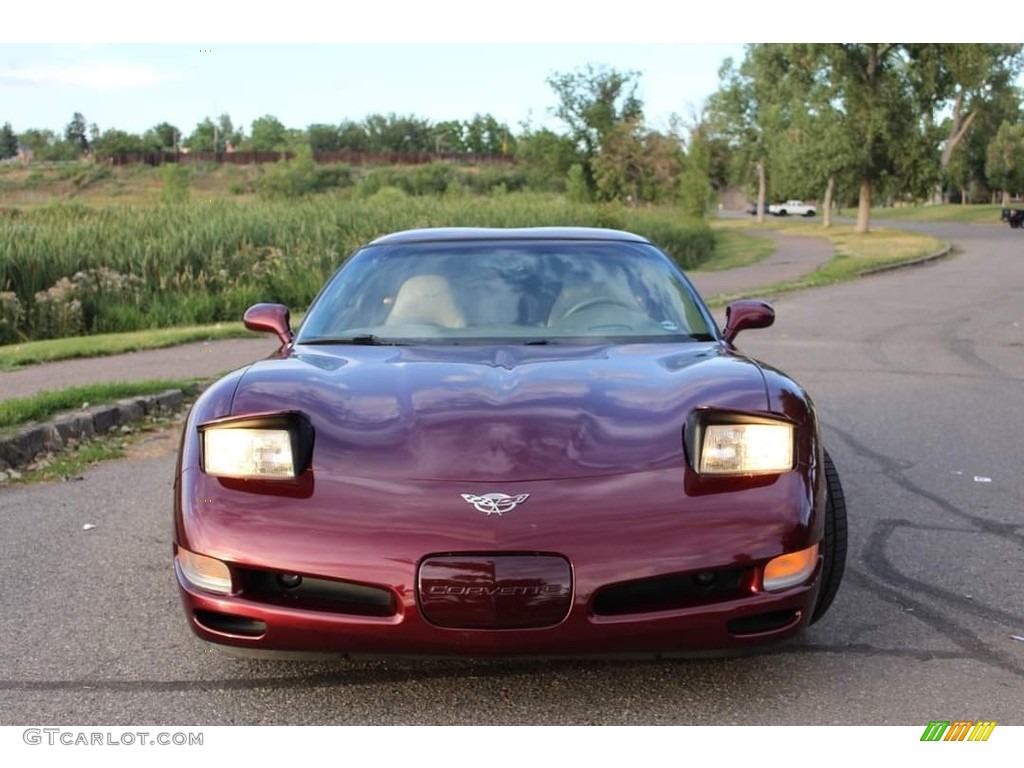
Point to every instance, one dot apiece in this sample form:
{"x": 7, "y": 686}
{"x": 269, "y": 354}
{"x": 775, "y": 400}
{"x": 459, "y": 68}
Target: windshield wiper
{"x": 366, "y": 340}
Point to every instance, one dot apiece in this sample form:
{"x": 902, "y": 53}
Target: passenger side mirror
{"x": 747, "y": 313}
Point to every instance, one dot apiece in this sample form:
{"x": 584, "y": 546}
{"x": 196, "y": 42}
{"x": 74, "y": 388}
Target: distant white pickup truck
{"x": 792, "y": 208}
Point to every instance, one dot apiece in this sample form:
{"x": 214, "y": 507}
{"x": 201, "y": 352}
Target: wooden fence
{"x": 352, "y": 158}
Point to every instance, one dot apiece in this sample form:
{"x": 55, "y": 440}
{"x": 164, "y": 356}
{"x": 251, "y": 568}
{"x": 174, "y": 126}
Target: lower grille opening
{"x": 317, "y": 594}
{"x": 762, "y": 622}
{"x": 665, "y": 593}
{"x": 231, "y": 625}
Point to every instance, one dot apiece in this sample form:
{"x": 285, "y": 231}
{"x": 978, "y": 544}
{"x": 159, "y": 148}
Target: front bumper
{"x": 649, "y": 535}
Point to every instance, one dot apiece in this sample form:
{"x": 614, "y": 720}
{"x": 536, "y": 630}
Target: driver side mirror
{"x": 270, "y": 318}
{"x": 747, "y": 313}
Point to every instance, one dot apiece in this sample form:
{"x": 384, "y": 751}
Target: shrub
{"x": 12, "y": 315}
{"x": 176, "y": 180}
{"x": 290, "y": 179}
{"x": 333, "y": 177}
{"x": 388, "y": 196}
{"x": 56, "y": 312}
{"x": 576, "y": 188}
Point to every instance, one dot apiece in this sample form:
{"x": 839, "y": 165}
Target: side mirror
{"x": 270, "y": 318}
{"x": 747, "y": 313}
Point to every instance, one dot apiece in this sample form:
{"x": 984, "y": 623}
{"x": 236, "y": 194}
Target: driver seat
{"x": 426, "y": 299}
{"x": 574, "y": 294}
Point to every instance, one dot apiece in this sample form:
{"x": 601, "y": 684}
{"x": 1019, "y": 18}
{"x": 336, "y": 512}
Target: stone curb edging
{"x": 939, "y": 254}
{"x": 28, "y": 443}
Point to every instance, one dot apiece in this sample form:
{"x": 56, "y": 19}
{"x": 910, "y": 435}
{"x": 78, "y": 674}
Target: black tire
{"x": 833, "y": 543}
{"x": 783, "y": 212}
{"x": 809, "y": 213}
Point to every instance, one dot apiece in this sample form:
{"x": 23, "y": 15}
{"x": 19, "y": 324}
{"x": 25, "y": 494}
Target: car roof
{"x": 448, "y": 234}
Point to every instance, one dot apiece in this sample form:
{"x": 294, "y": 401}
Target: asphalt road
{"x": 918, "y": 377}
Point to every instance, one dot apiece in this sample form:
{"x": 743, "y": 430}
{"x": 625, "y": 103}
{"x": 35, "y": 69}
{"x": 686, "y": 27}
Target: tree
{"x": 547, "y": 158}
{"x": 163, "y": 137}
{"x": 591, "y": 102}
{"x": 857, "y": 97}
{"x": 202, "y": 137}
{"x": 352, "y": 137}
{"x": 268, "y": 134}
{"x": 1005, "y": 165}
{"x": 635, "y": 164}
{"x": 741, "y": 115}
{"x": 47, "y": 146}
{"x": 618, "y": 167}
{"x": 695, "y": 190}
{"x": 871, "y": 82}
{"x": 227, "y": 134}
{"x": 485, "y": 135}
{"x": 8, "y": 142}
{"x": 114, "y": 142}
{"x": 448, "y": 136}
{"x": 395, "y": 133}
{"x": 960, "y": 80}
{"x": 323, "y": 138}
{"x": 76, "y": 132}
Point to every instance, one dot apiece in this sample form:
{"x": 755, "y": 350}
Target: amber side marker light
{"x": 204, "y": 572}
{"x": 790, "y": 569}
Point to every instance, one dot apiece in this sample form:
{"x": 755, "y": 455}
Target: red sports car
{"x": 503, "y": 442}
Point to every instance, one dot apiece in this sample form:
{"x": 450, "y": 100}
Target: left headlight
{"x": 737, "y": 446}
{"x": 272, "y": 447}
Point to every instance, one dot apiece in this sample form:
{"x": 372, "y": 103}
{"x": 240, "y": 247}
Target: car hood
{"x": 517, "y": 413}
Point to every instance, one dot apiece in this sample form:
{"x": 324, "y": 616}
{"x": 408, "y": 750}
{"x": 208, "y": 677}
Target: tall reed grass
{"x": 203, "y": 262}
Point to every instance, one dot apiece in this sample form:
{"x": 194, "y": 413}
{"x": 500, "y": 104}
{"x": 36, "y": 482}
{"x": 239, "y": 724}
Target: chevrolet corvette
{"x": 502, "y": 442}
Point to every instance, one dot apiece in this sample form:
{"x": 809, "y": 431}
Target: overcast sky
{"x": 135, "y": 86}
{"x": 130, "y": 65}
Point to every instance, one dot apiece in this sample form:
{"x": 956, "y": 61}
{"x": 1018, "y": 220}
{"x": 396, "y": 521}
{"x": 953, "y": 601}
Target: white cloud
{"x": 97, "y": 76}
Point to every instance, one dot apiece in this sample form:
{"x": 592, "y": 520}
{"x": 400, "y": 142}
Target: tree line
{"x": 870, "y": 121}
{"x": 605, "y": 152}
{"x": 846, "y": 123}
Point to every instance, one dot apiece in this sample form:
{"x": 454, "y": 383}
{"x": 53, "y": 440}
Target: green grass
{"x": 736, "y": 249}
{"x": 22, "y": 410}
{"x": 968, "y": 214}
{"x": 31, "y": 352}
{"x": 855, "y": 255}
{"x": 14, "y": 356}
{"x": 77, "y": 270}
{"x": 69, "y": 464}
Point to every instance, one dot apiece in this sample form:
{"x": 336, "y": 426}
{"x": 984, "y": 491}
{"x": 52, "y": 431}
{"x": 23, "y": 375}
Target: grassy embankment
{"x": 23, "y": 410}
{"x": 855, "y": 255}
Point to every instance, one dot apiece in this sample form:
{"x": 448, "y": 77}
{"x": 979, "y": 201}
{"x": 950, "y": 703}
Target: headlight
{"x": 267, "y": 446}
{"x": 735, "y": 444}
{"x": 248, "y": 453}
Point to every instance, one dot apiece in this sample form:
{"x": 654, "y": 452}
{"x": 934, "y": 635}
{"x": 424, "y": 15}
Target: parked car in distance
{"x": 1014, "y": 217}
{"x": 792, "y": 208}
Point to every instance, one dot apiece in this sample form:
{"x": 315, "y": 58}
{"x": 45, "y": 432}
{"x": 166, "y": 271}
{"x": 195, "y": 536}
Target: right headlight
{"x": 273, "y": 446}
{"x": 730, "y": 444}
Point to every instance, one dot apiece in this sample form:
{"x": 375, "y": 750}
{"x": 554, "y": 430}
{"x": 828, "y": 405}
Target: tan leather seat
{"x": 426, "y": 299}
{"x": 600, "y": 294}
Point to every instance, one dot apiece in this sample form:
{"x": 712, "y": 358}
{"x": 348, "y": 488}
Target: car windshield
{"x": 532, "y": 291}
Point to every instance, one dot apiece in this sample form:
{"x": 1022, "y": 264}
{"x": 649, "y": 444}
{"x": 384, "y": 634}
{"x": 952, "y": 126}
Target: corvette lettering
{"x": 494, "y": 591}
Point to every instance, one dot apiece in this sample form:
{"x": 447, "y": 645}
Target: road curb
{"x": 35, "y": 440}
{"x": 939, "y": 254}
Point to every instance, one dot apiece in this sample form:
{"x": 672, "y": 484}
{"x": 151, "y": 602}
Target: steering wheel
{"x": 594, "y": 302}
